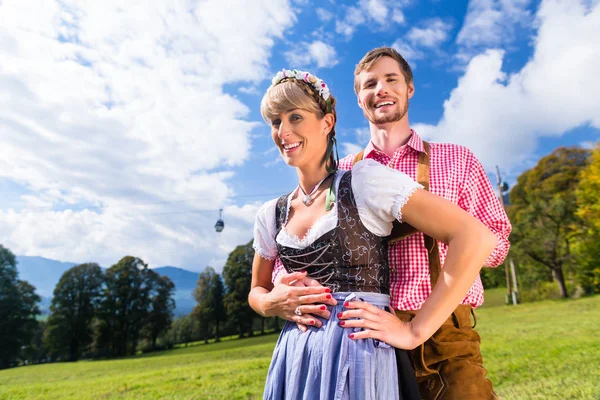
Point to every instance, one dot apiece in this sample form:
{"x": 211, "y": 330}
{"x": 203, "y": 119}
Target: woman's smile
{"x": 290, "y": 147}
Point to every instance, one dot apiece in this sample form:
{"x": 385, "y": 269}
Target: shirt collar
{"x": 414, "y": 141}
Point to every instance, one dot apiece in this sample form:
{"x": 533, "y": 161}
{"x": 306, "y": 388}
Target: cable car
{"x": 220, "y": 225}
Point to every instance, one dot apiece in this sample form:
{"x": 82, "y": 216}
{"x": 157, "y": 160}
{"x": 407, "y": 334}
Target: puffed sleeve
{"x": 380, "y": 193}
{"x": 264, "y": 231}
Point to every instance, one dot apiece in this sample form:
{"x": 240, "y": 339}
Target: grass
{"x": 545, "y": 350}
{"x": 494, "y": 297}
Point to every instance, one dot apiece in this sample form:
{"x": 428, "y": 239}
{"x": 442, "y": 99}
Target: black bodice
{"x": 349, "y": 258}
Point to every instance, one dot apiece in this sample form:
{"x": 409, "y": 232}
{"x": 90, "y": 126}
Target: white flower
{"x": 277, "y": 78}
{"x": 304, "y": 76}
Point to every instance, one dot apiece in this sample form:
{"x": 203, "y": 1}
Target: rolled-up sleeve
{"x": 479, "y": 199}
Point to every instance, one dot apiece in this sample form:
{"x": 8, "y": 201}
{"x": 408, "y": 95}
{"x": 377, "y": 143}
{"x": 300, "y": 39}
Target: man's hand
{"x": 378, "y": 324}
{"x": 298, "y": 291}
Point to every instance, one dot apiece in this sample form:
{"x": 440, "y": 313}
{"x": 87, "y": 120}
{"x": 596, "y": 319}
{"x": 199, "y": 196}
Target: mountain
{"x": 185, "y": 283}
{"x": 44, "y": 274}
{"x": 182, "y": 278}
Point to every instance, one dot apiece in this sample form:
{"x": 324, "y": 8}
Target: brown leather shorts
{"x": 449, "y": 365}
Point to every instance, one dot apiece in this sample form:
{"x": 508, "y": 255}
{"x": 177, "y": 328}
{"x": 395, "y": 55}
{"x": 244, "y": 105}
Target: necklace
{"x": 307, "y": 199}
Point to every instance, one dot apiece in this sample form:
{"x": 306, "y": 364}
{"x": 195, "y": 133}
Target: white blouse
{"x": 380, "y": 193}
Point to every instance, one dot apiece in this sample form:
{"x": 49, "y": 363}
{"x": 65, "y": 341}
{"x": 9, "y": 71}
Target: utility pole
{"x": 511, "y": 295}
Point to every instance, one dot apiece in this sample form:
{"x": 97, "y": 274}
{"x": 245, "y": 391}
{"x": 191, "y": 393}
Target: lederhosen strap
{"x": 402, "y": 230}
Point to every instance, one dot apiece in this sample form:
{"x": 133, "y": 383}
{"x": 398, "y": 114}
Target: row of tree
{"x": 94, "y": 313}
{"x": 119, "y": 311}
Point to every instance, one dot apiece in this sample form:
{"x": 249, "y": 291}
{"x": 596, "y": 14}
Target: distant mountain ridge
{"x": 44, "y": 274}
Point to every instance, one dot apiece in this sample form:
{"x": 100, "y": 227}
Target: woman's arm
{"x": 261, "y": 285}
{"x": 281, "y": 298}
{"x": 469, "y": 244}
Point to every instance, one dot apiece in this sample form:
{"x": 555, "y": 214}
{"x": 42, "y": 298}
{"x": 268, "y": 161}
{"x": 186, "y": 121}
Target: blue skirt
{"x": 325, "y": 364}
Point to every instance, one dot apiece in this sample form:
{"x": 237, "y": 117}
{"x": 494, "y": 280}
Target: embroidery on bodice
{"x": 348, "y": 258}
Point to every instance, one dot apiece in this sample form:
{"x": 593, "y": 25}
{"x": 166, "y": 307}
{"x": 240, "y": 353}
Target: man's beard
{"x": 397, "y": 115}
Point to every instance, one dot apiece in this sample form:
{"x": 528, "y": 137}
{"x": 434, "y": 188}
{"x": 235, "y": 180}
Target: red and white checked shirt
{"x": 456, "y": 175}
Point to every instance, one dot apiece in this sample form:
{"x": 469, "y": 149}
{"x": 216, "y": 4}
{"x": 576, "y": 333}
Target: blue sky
{"x": 125, "y": 127}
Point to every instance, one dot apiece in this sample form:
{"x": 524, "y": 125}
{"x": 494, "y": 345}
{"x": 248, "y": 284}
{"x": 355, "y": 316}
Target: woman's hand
{"x": 296, "y": 291}
{"x": 379, "y": 324}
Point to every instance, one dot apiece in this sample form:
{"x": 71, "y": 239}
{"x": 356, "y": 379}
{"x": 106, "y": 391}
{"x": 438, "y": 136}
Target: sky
{"x": 125, "y": 126}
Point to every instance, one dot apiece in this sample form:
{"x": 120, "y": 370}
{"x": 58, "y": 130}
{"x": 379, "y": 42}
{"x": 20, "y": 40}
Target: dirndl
{"x": 325, "y": 364}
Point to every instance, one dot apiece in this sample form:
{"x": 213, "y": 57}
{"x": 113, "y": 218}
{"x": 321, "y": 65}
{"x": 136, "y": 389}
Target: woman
{"x": 332, "y": 228}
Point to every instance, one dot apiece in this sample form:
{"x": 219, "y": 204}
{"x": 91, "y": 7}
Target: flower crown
{"x": 307, "y": 77}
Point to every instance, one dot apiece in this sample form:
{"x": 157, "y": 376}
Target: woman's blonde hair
{"x": 291, "y": 94}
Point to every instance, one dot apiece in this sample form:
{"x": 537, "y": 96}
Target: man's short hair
{"x": 375, "y": 55}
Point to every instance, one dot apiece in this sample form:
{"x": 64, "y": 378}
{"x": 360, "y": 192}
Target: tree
{"x": 588, "y": 191}
{"x": 76, "y": 298}
{"x": 209, "y": 294}
{"x": 237, "y": 274}
{"x": 36, "y": 352}
{"x": 588, "y": 202}
{"x": 183, "y": 330}
{"x": 543, "y": 211}
{"x": 18, "y": 310}
{"x": 162, "y": 306}
{"x": 124, "y": 307}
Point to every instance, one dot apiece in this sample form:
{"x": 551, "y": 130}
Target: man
{"x": 449, "y": 364}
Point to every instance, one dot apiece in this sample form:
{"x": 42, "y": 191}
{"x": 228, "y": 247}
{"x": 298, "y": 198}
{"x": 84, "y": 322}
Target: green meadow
{"x": 544, "y": 350}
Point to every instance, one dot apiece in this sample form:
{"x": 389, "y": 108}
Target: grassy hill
{"x": 545, "y": 350}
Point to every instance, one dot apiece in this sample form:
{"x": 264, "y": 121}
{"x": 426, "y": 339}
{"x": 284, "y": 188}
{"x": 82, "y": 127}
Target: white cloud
{"x": 323, "y": 54}
{"x": 363, "y": 135}
{"x": 398, "y": 16}
{"x": 588, "y": 144}
{"x": 360, "y": 139}
{"x": 492, "y": 23}
{"x": 324, "y": 15}
{"x": 121, "y": 103}
{"x": 375, "y": 13}
{"x": 501, "y": 117}
{"x": 431, "y": 34}
{"x": 410, "y": 53}
{"x": 350, "y": 148}
{"x": 249, "y": 90}
{"x": 422, "y": 40}
{"x": 318, "y": 53}
{"x": 245, "y": 213}
{"x": 377, "y": 10}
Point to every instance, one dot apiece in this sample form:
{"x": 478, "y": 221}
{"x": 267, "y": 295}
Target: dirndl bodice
{"x": 348, "y": 258}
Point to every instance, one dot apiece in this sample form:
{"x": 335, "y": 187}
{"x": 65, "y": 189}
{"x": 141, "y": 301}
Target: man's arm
{"x": 479, "y": 199}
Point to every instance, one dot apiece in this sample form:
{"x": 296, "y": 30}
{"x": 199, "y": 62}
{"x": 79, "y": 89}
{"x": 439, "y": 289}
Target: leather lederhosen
{"x": 449, "y": 365}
